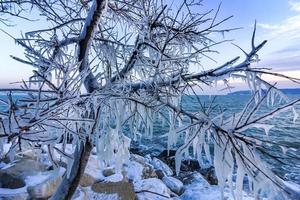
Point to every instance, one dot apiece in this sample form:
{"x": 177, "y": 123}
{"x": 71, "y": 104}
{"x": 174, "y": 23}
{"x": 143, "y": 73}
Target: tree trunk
{"x": 82, "y": 152}
{"x": 69, "y": 184}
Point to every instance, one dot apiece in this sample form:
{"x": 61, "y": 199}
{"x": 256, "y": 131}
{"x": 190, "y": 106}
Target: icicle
{"x": 239, "y": 179}
{"x": 296, "y": 115}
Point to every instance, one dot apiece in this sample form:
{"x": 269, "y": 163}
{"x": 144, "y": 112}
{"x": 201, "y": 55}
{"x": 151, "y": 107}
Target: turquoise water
{"x": 285, "y": 131}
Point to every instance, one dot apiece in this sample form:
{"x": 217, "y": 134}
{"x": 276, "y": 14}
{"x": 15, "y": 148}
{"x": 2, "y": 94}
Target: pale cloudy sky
{"x": 278, "y": 22}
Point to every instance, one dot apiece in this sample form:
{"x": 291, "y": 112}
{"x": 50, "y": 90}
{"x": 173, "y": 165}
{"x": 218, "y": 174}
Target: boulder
{"x": 151, "y": 189}
{"x": 210, "y": 175}
{"x": 160, "y": 174}
{"x": 138, "y": 158}
{"x": 118, "y": 177}
{"x": 10, "y": 181}
{"x": 133, "y": 170}
{"x": 160, "y": 165}
{"x": 43, "y": 185}
{"x": 12, "y": 187}
{"x": 197, "y": 188}
{"x": 173, "y": 184}
{"x": 148, "y": 172}
{"x": 123, "y": 189}
{"x": 108, "y": 171}
{"x": 25, "y": 167}
{"x": 14, "y": 194}
{"x": 86, "y": 180}
{"x": 92, "y": 172}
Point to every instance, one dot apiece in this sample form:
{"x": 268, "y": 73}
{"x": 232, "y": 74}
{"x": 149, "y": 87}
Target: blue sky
{"x": 278, "y": 22}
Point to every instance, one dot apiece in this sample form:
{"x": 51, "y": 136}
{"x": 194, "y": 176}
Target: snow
{"x": 41, "y": 177}
{"x": 153, "y": 185}
{"x": 12, "y": 192}
{"x": 134, "y": 170}
{"x": 88, "y": 193}
{"x": 114, "y": 178}
{"x": 158, "y": 164}
{"x": 174, "y": 184}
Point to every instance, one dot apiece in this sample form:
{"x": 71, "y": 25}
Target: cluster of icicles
{"x": 234, "y": 161}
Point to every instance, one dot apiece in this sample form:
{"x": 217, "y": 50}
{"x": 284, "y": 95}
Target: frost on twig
{"x": 103, "y": 67}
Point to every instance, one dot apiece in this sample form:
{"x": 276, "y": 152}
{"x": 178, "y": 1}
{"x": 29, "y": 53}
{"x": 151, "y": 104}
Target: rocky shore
{"x": 143, "y": 178}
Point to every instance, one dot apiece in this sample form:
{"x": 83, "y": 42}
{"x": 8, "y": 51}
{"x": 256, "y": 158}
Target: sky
{"x": 278, "y": 22}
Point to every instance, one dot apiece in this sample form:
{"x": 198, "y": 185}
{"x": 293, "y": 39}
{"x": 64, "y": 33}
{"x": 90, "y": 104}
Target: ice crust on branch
{"x": 103, "y": 67}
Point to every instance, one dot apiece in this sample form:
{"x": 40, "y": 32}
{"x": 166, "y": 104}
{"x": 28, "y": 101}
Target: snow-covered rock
{"x": 196, "y": 191}
{"x": 14, "y": 194}
{"x": 108, "y": 171}
{"x": 151, "y": 189}
{"x": 134, "y": 170}
{"x": 138, "y": 158}
{"x": 122, "y": 189}
{"x": 160, "y": 165}
{"x": 173, "y": 184}
{"x": 114, "y": 178}
{"x": 43, "y": 185}
{"x": 198, "y": 188}
{"x": 88, "y": 193}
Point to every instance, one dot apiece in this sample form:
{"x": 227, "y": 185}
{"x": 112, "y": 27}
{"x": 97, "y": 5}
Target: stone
{"x": 160, "y": 165}
{"x": 12, "y": 187}
{"x": 133, "y": 170}
{"x": 196, "y": 191}
{"x": 173, "y": 184}
{"x": 148, "y": 172}
{"x": 108, "y": 171}
{"x": 191, "y": 177}
{"x": 86, "y": 180}
{"x": 138, "y": 158}
{"x": 160, "y": 174}
{"x": 118, "y": 177}
{"x": 210, "y": 175}
{"x": 197, "y": 188}
{"x": 43, "y": 185}
{"x": 10, "y": 181}
{"x": 92, "y": 172}
{"x": 123, "y": 189}
{"x": 14, "y": 194}
{"x": 25, "y": 167}
{"x": 151, "y": 189}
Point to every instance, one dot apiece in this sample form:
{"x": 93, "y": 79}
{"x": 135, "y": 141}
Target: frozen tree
{"x": 102, "y": 64}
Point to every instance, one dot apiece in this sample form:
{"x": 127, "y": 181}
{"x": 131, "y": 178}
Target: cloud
{"x": 289, "y": 28}
{"x": 294, "y": 6}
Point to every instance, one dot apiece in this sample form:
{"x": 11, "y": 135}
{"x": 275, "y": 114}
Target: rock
{"x": 138, "y": 158}
{"x": 86, "y": 180}
{"x": 210, "y": 175}
{"x": 173, "y": 184}
{"x": 151, "y": 189}
{"x": 118, "y": 177}
{"x": 108, "y": 171}
{"x": 93, "y": 171}
{"x": 160, "y": 174}
{"x": 197, "y": 188}
{"x": 196, "y": 191}
{"x": 44, "y": 184}
{"x": 12, "y": 187}
{"x": 14, "y": 194}
{"x": 160, "y": 165}
{"x": 134, "y": 170}
{"x": 148, "y": 172}
{"x": 25, "y": 167}
{"x": 123, "y": 189}
{"x": 10, "y": 181}
{"x": 192, "y": 177}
